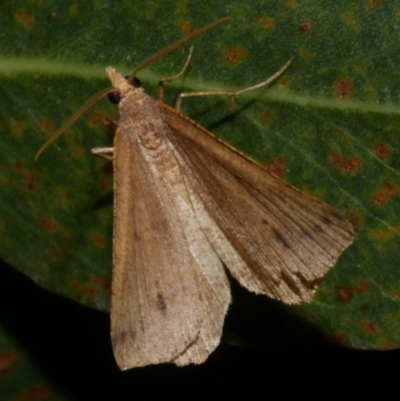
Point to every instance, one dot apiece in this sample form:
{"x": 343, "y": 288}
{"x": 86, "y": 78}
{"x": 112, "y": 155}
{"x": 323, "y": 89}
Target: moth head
{"x": 122, "y": 85}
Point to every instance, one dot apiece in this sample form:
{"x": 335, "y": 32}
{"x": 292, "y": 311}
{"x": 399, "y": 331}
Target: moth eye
{"x": 114, "y": 97}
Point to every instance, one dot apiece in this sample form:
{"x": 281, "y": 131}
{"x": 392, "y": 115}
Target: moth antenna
{"x": 176, "y": 45}
{"x": 76, "y": 115}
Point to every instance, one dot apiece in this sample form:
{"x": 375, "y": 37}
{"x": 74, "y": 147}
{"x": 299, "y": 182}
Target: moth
{"x": 187, "y": 206}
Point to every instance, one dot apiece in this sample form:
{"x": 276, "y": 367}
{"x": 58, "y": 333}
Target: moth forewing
{"x": 169, "y": 292}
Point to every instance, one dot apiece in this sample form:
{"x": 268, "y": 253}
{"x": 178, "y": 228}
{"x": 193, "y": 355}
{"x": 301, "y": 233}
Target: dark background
{"x": 71, "y": 345}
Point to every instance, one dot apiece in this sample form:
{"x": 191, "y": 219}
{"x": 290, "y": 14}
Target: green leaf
{"x": 328, "y": 126}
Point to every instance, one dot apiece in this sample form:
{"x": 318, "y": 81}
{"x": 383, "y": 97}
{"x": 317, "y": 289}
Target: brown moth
{"x": 185, "y": 206}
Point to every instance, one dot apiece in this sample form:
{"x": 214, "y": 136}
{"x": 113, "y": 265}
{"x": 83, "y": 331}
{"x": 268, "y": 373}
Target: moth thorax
{"x": 150, "y": 136}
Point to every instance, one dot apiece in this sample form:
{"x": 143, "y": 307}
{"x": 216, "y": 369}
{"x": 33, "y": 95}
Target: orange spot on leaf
{"x": 266, "y": 118}
{"x": 35, "y": 392}
{"x": 383, "y": 235}
{"x": 7, "y": 361}
{"x": 339, "y": 338}
{"x": 381, "y": 150}
{"x": 389, "y": 345}
{"x": 24, "y": 18}
{"x": 97, "y": 239}
{"x": 288, "y": 3}
{"x": 48, "y": 224}
{"x": 348, "y": 17}
{"x": 186, "y": 28}
{"x": 17, "y": 165}
{"x": 343, "y": 88}
{"x": 383, "y": 194}
{"x": 235, "y": 54}
{"x": 101, "y": 282}
{"x": 312, "y": 317}
{"x": 45, "y": 125}
{"x": 307, "y": 55}
{"x": 53, "y": 254}
{"x": 266, "y": 23}
{"x": 362, "y": 287}
{"x": 16, "y": 129}
{"x": 88, "y": 291}
{"x": 30, "y": 180}
{"x": 74, "y": 284}
{"x": 369, "y": 326}
{"x": 98, "y": 117}
{"x": 345, "y": 165}
{"x": 344, "y": 293}
{"x": 276, "y": 167}
{"x": 373, "y": 3}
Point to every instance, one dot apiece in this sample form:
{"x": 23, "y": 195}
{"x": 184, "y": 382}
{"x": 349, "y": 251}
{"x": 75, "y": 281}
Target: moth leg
{"x": 160, "y": 91}
{"x": 232, "y": 94}
{"x": 103, "y": 152}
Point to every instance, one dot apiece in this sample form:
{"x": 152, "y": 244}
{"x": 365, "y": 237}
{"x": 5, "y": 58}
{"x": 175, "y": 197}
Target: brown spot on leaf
{"x": 266, "y": 118}
{"x": 381, "y": 150}
{"x": 307, "y": 55}
{"x": 383, "y": 235}
{"x": 24, "y": 18}
{"x": 16, "y": 129}
{"x": 46, "y": 125}
{"x": 97, "y": 240}
{"x": 48, "y": 224}
{"x": 389, "y": 345}
{"x": 53, "y": 253}
{"x": 339, "y": 338}
{"x": 312, "y": 317}
{"x": 276, "y": 167}
{"x": 106, "y": 169}
{"x": 101, "y": 282}
{"x": 343, "y": 88}
{"x": 369, "y": 326}
{"x": 304, "y": 27}
{"x": 345, "y": 165}
{"x": 362, "y": 287}
{"x": 235, "y": 54}
{"x": 373, "y": 3}
{"x": 17, "y": 165}
{"x": 186, "y": 28}
{"x": 74, "y": 284}
{"x": 98, "y": 117}
{"x": 266, "y": 23}
{"x": 344, "y": 293}
{"x": 288, "y": 3}
{"x": 398, "y": 14}
{"x": 105, "y": 177}
{"x": 30, "y": 180}
{"x": 382, "y": 195}
{"x": 88, "y": 291}
{"x": 348, "y": 17}
{"x": 7, "y": 361}
{"x": 35, "y": 392}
